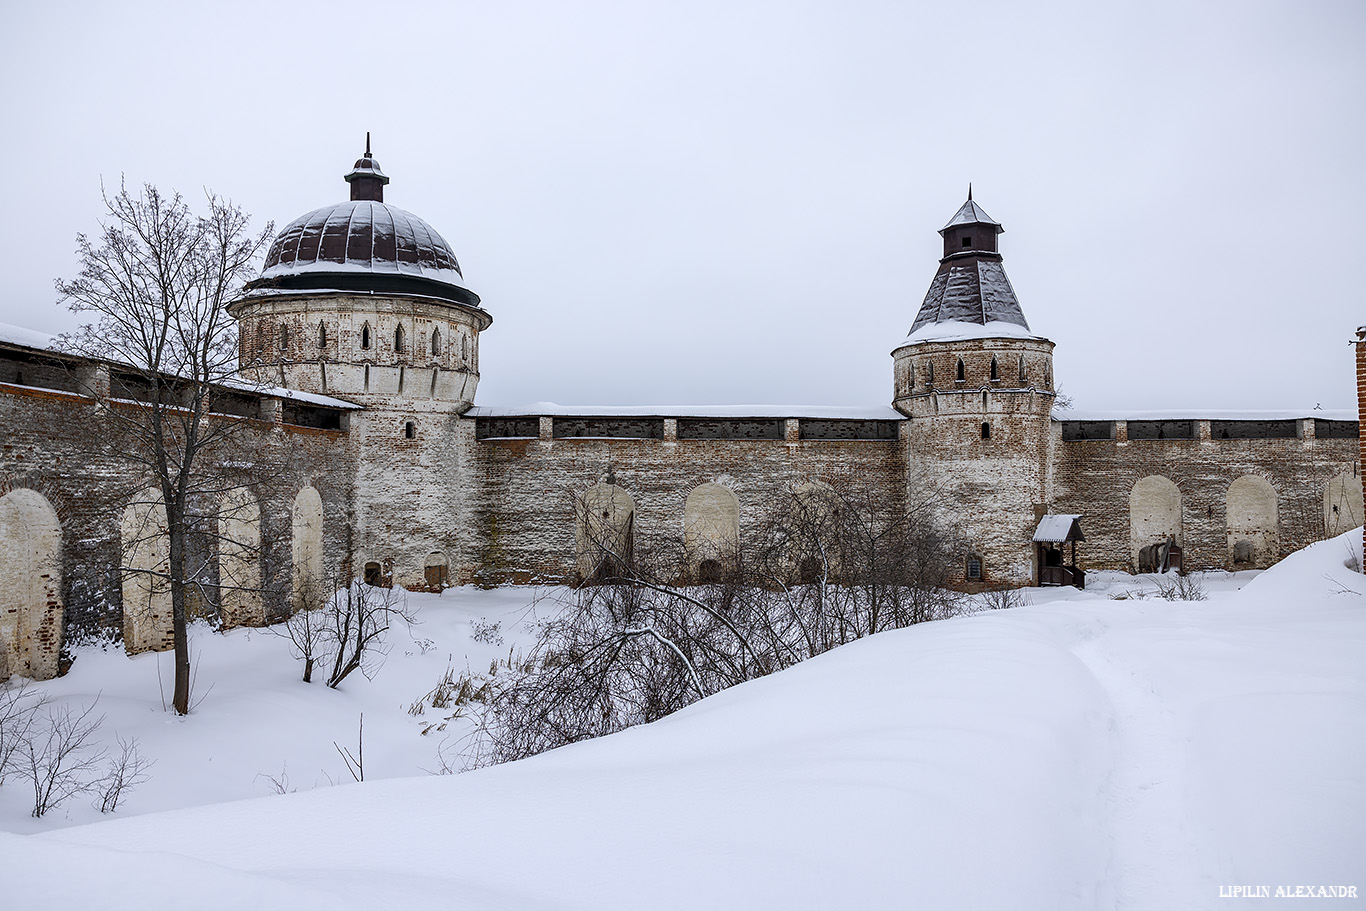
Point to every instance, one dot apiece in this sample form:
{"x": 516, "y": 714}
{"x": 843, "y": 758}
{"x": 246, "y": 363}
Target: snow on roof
{"x": 362, "y": 236}
{"x": 1055, "y": 529}
{"x": 957, "y": 330}
{"x": 1206, "y": 414}
{"x": 970, "y": 214}
{"x": 551, "y": 409}
{"x": 970, "y": 291}
{"x": 29, "y": 338}
{"x": 449, "y": 276}
{"x": 280, "y": 392}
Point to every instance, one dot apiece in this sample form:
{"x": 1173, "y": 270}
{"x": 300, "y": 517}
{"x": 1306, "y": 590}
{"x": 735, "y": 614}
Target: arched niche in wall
{"x": 1154, "y": 519}
{"x": 436, "y": 570}
{"x": 1253, "y": 523}
{"x": 1342, "y": 504}
{"x": 239, "y": 559}
{"x": 813, "y": 514}
{"x": 711, "y": 531}
{"x": 307, "y": 549}
{"x": 147, "y": 616}
{"x": 604, "y": 532}
{"x": 30, "y": 585}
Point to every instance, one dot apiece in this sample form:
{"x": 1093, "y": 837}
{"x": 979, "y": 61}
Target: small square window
{"x": 974, "y": 568}
{"x": 967, "y": 242}
{"x": 409, "y": 430}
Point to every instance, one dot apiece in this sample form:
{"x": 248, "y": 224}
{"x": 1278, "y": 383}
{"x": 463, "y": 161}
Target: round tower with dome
{"x": 362, "y": 300}
{"x": 977, "y": 385}
{"x": 366, "y": 302}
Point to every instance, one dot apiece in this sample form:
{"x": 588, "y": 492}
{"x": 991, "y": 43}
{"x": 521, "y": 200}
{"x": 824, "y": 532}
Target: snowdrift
{"x": 1083, "y": 753}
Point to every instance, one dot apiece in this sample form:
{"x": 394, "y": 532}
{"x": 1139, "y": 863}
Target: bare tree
{"x": 157, "y": 280}
{"x": 358, "y": 617}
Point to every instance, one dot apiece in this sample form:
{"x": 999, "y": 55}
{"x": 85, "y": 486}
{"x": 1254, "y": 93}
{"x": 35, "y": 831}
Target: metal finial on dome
{"x": 367, "y": 152}
{"x": 367, "y": 155}
{"x": 366, "y": 179}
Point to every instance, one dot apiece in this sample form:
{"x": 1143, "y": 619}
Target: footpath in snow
{"x": 1082, "y": 752}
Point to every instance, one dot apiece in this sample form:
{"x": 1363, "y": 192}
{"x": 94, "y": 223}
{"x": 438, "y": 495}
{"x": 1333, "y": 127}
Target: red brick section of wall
{"x": 1361, "y": 410}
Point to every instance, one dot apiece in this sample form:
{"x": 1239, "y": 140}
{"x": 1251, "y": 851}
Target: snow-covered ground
{"x": 1086, "y": 751}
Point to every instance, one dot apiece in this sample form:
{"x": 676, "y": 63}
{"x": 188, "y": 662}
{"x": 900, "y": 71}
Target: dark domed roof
{"x": 362, "y": 235}
{"x": 363, "y": 245}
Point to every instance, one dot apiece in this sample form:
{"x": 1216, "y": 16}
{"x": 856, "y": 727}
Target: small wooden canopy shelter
{"x": 1053, "y": 532}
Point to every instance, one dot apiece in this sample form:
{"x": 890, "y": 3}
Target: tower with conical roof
{"x": 977, "y": 385}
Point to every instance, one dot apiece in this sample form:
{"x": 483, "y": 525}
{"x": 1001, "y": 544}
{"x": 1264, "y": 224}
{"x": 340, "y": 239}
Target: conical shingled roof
{"x": 971, "y": 285}
{"x": 970, "y": 291}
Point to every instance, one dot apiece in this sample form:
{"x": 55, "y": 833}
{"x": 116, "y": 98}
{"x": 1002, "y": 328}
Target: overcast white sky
{"x": 737, "y": 202}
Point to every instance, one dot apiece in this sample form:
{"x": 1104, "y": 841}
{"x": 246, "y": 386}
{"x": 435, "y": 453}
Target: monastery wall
{"x": 62, "y": 459}
{"x": 525, "y": 512}
{"x": 1136, "y": 486}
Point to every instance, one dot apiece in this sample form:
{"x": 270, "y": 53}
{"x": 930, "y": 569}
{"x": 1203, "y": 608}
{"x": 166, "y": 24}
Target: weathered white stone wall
{"x": 711, "y": 526}
{"x": 308, "y": 581}
{"x": 30, "y": 586}
{"x": 604, "y": 529}
{"x": 147, "y": 613}
{"x": 1253, "y": 517}
{"x": 1342, "y": 503}
{"x": 239, "y": 559}
{"x": 1154, "y": 514}
{"x": 349, "y": 344}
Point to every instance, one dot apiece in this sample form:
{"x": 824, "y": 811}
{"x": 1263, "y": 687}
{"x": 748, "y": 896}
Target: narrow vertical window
{"x": 995, "y": 373}
{"x": 962, "y": 375}
{"x": 284, "y": 340}
{"x": 986, "y": 431}
{"x": 1024, "y": 377}
{"x": 464, "y": 347}
{"x": 398, "y": 339}
{"x": 436, "y": 343}
{"x": 322, "y": 335}
{"x": 365, "y": 336}
{"x": 409, "y": 430}
{"x": 929, "y": 374}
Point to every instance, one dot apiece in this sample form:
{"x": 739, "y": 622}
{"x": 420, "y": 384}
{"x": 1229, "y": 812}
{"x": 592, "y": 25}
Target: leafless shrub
{"x": 1182, "y": 587}
{"x": 279, "y": 784}
{"x": 126, "y": 771}
{"x": 344, "y": 630}
{"x": 355, "y": 762}
{"x": 489, "y": 633}
{"x": 830, "y": 567}
{"x": 1005, "y": 598}
{"x": 19, "y": 707}
{"x": 60, "y": 756}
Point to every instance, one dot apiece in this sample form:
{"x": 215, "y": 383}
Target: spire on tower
{"x": 366, "y": 179}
